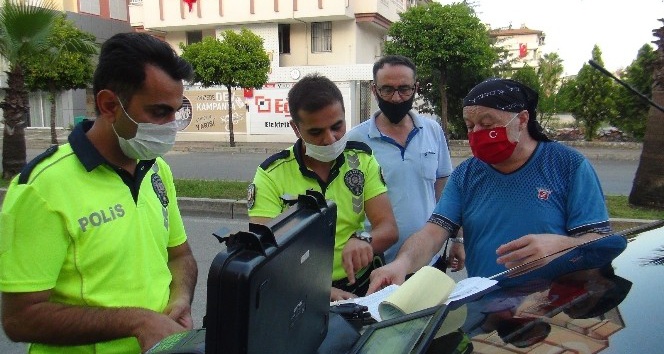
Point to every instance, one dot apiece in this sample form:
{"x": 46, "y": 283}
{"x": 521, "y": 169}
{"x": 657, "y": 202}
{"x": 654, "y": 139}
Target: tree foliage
{"x": 527, "y": 76}
{"x": 565, "y": 95}
{"x": 633, "y": 110}
{"x": 593, "y": 93}
{"x": 24, "y": 31}
{"x": 235, "y": 60}
{"x": 452, "y": 50}
{"x": 62, "y": 68}
{"x": 549, "y": 71}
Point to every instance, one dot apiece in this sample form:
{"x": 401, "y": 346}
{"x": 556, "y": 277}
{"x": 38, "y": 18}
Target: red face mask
{"x": 492, "y": 145}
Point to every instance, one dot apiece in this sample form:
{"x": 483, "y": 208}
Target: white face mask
{"x": 325, "y": 153}
{"x": 151, "y": 140}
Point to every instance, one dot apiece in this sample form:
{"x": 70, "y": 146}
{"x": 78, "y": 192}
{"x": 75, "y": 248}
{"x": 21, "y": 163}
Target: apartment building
{"x": 340, "y": 39}
{"x": 102, "y": 18}
{"x": 524, "y": 45}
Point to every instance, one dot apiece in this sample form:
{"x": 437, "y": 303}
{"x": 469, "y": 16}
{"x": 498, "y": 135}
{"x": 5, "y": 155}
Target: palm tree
{"x": 25, "y": 26}
{"x": 68, "y": 64}
{"x": 648, "y": 186}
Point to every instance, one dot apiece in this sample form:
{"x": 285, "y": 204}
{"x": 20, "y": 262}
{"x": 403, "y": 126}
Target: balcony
{"x": 166, "y": 15}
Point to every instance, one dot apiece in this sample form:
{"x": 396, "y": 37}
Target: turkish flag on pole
{"x": 523, "y": 50}
{"x": 248, "y": 92}
{"x": 190, "y": 3}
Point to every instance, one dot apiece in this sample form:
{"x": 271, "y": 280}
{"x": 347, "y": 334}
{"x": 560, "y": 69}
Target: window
{"x": 118, "y": 10}
{"x": 321, "y": 37}
{"x": 284, "y": 39}
{"x": 194, "y": 37}
{"x": 90, "y": 7}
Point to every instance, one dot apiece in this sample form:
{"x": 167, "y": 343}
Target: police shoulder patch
{"x": 358, "y": 145}
{"x": 278, "y": 156}
{"x": 27, "y": 169}
{"x": 251, "y": 195}
{"x": 159, "y": 189}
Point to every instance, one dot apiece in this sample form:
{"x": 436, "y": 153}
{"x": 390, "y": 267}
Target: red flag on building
{"x": 523, "y": 50}
{"x": 248, "y": 92}
{"x": 190, "y": 3}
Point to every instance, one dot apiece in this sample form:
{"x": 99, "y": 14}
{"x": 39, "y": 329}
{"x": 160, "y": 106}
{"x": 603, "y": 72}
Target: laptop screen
{"x": 407, "y": 334}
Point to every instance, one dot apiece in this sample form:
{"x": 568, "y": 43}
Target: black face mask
{"x": 395, "y": 111}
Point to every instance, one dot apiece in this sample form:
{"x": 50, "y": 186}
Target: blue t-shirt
{"x": 556, "y": 191}
{"x": 410, "y": 172}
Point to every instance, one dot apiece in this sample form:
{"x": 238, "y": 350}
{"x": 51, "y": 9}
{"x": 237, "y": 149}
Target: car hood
{"x": 614, "y": 308}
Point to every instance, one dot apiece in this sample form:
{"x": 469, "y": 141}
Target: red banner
{"x": 523, "y": 50}
{"x": 189, "y": 3}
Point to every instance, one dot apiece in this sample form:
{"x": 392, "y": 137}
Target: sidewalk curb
{"x": 39, "y": 138}
{"x": 237, "y": 209}
{"x": 225, "y": 208}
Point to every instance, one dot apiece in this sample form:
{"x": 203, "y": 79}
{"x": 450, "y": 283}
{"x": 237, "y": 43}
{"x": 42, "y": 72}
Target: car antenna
{"x": 624, "y": 84}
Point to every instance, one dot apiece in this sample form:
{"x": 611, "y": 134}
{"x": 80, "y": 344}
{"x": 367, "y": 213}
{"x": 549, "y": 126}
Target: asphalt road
{"x": 616, "y": 175}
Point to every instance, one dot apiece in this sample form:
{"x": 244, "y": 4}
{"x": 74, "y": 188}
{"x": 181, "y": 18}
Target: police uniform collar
{"x": 86, "y": 152}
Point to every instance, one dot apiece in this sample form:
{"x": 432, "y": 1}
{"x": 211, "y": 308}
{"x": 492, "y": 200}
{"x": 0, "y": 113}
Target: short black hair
{"x": 312, "y": 93}
{"x": 393, "y": 60}
{"x": 122, "y": 62}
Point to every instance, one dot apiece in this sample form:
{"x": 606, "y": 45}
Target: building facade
{"x": 102, "y": 18}
{"x": 340, "y": 39}
{"x": 524, "y": 45}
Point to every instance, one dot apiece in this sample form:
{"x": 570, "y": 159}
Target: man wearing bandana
{"x": 344, "y": 172}
{"x": 519, "y": 198}
{"x": 411, "y": 149}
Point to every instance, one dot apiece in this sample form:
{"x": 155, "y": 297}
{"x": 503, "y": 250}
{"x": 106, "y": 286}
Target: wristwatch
{"x": 364, "y": 236}
{"x": 457, "y": 240}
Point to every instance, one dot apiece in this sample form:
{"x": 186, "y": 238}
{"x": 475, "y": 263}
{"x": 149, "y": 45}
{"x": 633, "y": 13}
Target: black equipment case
{"x": 269, "y": 292}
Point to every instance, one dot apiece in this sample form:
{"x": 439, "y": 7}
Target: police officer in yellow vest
{"x": 346, "y": 173}
{"x": 93, "y": 253}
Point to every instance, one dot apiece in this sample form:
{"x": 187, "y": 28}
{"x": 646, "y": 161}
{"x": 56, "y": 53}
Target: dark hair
{"x": 122, "y": 61}
{"x": 312, "y": 93}
{"x": 393, "y": 60}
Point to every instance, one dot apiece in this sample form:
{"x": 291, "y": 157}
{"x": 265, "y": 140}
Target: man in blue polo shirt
{"x": 411, "y": 149}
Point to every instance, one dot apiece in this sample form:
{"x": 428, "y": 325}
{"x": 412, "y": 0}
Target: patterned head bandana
{"x": 509, "y": 96}
{"x": 503, "y": 94}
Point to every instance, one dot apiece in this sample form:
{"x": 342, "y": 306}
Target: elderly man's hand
{"x": 392, "y": 273}
{"x": 457, "y": 257}
{"x": 531, "y": 247}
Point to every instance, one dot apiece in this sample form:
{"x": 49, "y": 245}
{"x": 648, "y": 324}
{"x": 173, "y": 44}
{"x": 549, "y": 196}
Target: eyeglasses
{"x": 387, "y": 91}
